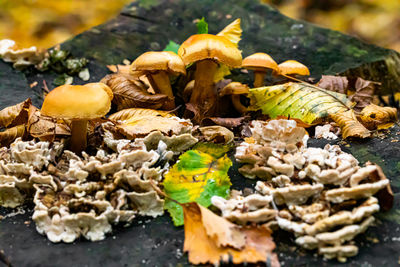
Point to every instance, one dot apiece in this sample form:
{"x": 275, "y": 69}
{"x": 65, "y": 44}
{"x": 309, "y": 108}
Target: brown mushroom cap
{"x": 207, "y": 46}
{"x": 260, "y": 62}
{"x": 89, "y": 101}
{"x": 159, "y": 61}
{"x": 293, "y": 67}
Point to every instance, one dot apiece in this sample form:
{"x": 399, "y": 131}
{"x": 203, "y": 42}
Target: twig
{"x": 4, "y": 259}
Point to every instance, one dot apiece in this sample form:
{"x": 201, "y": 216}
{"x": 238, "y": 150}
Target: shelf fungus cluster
{"x": 84, "y": 196}
{"x": 320, "y": 195}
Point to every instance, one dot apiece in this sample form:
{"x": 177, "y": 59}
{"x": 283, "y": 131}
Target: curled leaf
{"x": 15, "y": 115}
{"x": 297, "y": 100}
{"x": 364, "y": 93}
{"x": 216, "y": 134}
{"x": 130, "y": 93}
{"x": 232, "y": 32}
{"x": 374, "y": 117}
{"x": 45, "y": 128}
{"x": 225, "y": 122}
{"x": 134, "y": 122}
{"x": 212, "y": 239}
{"x": 338, "y": 84}
{"x": 196, "y": 178}
{"x": 349, "y": 125}
{"x": 9, "y": 135}
{"x": 124, "y": 69}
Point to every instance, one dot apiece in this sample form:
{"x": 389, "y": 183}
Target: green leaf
{"x": 202, "y": 26}
{"x": 196, "y": 178}
{"x": 172, "y": 46}
{"x": 298, "y": 100}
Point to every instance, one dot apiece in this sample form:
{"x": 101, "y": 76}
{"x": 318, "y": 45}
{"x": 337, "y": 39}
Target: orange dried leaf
{"x": 349, "y": 125}
{"x": 205, "y": 247}
{"x": 124, "y": 69}
{"x": 377, "y": 117}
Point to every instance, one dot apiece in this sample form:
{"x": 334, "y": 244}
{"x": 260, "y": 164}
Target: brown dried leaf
{"x": 131, "y": 93}
{"x": 349, "y": 125}
{"x": 338, "y": 84}
{"x": 15, "y": 115}
{"x": 45, "y": 128}
{"x": 9, "y": 135}
{"x": 374, "y": 117}
{"x": 225, "y": 122}
{"x": 364, "y": 93}
{"x": 385, "y": 196}
{"x": 211, "y": 239}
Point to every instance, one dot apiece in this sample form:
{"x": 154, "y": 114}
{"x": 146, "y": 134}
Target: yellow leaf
{"x": 211, "y": 239}
{"x": 15, "y": 115}
{"x": 9, "y": 135}
{"x": 232, "y": 32}
{"x": 377, "y": 117}
{"x": 349, "y": 125}
{"x": 297, "y": 100}
{"x": 140, "y": 122}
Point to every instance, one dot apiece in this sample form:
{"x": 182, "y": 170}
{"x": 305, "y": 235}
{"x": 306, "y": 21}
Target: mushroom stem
{"x": 78, "y": 135}
{"x": 162, "y": 85}
{"x": 238, "y": 105}
{"x": 259, "y": 77}
{"x": 204, "y": 96}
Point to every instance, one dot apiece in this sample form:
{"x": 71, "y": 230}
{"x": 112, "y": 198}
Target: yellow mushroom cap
{"x": 260, "y": 61}
{"x": 159, "y": 61}
{"x": 208, "y": 46}
{"x": 234, "y": 88}
{"x": 89, "y": 101}
{"x": 293, "y": 67}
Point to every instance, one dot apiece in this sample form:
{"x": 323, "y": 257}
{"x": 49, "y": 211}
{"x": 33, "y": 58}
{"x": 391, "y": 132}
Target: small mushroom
{"x": 78, "y": 103}
{"x": 156, "y": 66}
{"x": 293, "y": 67}
{"x": 207, "y": 50}
{"x": 235, "y": 89}
{"x": 259, "y": 63}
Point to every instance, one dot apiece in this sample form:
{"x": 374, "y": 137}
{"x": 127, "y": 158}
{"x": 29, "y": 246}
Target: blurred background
{"x": 45, "y": 23}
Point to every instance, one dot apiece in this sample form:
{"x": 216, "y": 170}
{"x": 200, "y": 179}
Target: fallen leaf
{"x": 9, "y": 135}
{"x": 202, "y": 26}
{"x": 364, "y": 93}
{"x": 338, "y": 84}
{"x": 136, "y": 122}
{"x": 215, "y": 150}
{"x": 377, "y": 117}
{"x": 128, "y": 113}
{"x": 15, "y": 115}
{"x": 130, "y": 93}
{"x": 297, "y": 100}
{"x": 216, "y": 134}
{"x": 45, "y": 128}
{"x": 210, "y": 238}
{"x": 226, "y": 122}
{"x": 196, "y": 177}
{"x": 349, "y": 125}
{"x": 172, "y": 46}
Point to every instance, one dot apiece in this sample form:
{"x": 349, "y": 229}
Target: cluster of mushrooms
{"x": 307, "y": 191}
{"x": 320, "y": 195}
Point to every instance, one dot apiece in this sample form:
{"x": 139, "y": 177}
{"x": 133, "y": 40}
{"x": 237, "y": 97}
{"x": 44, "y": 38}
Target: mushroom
{"x": 259, "y": 63}
{"x": 293, "y": 67}
{"x": 235, "y": 89}
{"x": 78, "y": 103}
{"x": 207, "y": 50}
{"x": 156, "y": 66}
